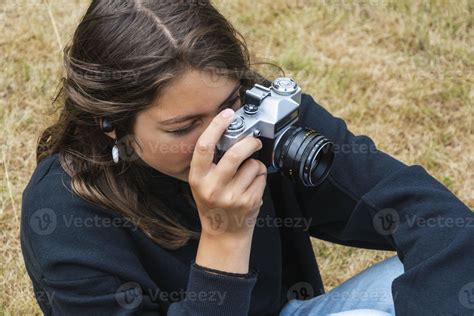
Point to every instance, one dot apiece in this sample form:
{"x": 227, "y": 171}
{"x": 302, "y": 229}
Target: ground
{"x": 401, "y": 72}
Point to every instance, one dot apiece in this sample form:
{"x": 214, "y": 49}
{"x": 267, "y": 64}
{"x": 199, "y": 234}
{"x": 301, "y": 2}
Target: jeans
{"x": 366, "y": 294}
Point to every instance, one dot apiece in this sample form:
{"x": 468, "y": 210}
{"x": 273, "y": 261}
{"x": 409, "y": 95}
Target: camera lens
{"x": 303, "y": 155}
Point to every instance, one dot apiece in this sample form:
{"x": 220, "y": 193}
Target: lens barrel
{"x": 303, "y": 155}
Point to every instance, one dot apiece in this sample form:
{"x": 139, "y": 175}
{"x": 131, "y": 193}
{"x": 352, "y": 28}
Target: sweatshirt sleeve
{"x": 372, "y": 200}
{"x": 235, "y": 290}
{"x": 80, "y": 266}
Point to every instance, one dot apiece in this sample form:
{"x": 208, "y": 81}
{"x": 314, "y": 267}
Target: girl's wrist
{"x": 224, "y": 253}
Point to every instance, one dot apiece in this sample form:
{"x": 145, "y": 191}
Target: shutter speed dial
{"x": 236, "y": 126}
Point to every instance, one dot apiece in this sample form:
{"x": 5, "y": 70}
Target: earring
{"x": 107, "y": 127}
{"x": 115, "y": 152}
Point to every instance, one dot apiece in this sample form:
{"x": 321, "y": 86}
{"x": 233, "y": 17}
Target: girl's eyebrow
{"x": 184, "y": 118}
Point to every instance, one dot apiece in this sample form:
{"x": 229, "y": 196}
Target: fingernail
{"x": 227, "y": 112}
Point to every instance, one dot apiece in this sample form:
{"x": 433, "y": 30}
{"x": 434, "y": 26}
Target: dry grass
{"x": 400, "y": 72}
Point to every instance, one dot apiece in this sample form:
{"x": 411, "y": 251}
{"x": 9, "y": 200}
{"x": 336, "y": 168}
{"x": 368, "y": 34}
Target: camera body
{"x": 271, "y": 114}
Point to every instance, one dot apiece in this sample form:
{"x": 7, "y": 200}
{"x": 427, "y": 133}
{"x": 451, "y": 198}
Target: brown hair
{"x": 122, "y": 55}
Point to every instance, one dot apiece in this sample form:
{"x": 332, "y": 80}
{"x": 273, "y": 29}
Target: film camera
{"x": 271, "y": 114}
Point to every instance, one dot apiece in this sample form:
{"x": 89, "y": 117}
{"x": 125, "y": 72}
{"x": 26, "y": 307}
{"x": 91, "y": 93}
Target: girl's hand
{"x": 228, "y": 195}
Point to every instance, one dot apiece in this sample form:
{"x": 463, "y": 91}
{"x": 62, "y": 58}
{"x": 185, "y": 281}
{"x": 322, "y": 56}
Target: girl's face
{"x": 168, "y": 131}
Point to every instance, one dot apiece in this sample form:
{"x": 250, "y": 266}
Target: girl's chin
{"x": 184, "y": 175}
{"x": 184, "y": 171}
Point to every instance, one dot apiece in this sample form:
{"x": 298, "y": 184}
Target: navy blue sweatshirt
{"x": 84, "y": 259}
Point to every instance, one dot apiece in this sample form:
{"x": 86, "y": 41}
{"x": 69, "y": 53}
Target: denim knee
{"x": 369, "y": 289}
